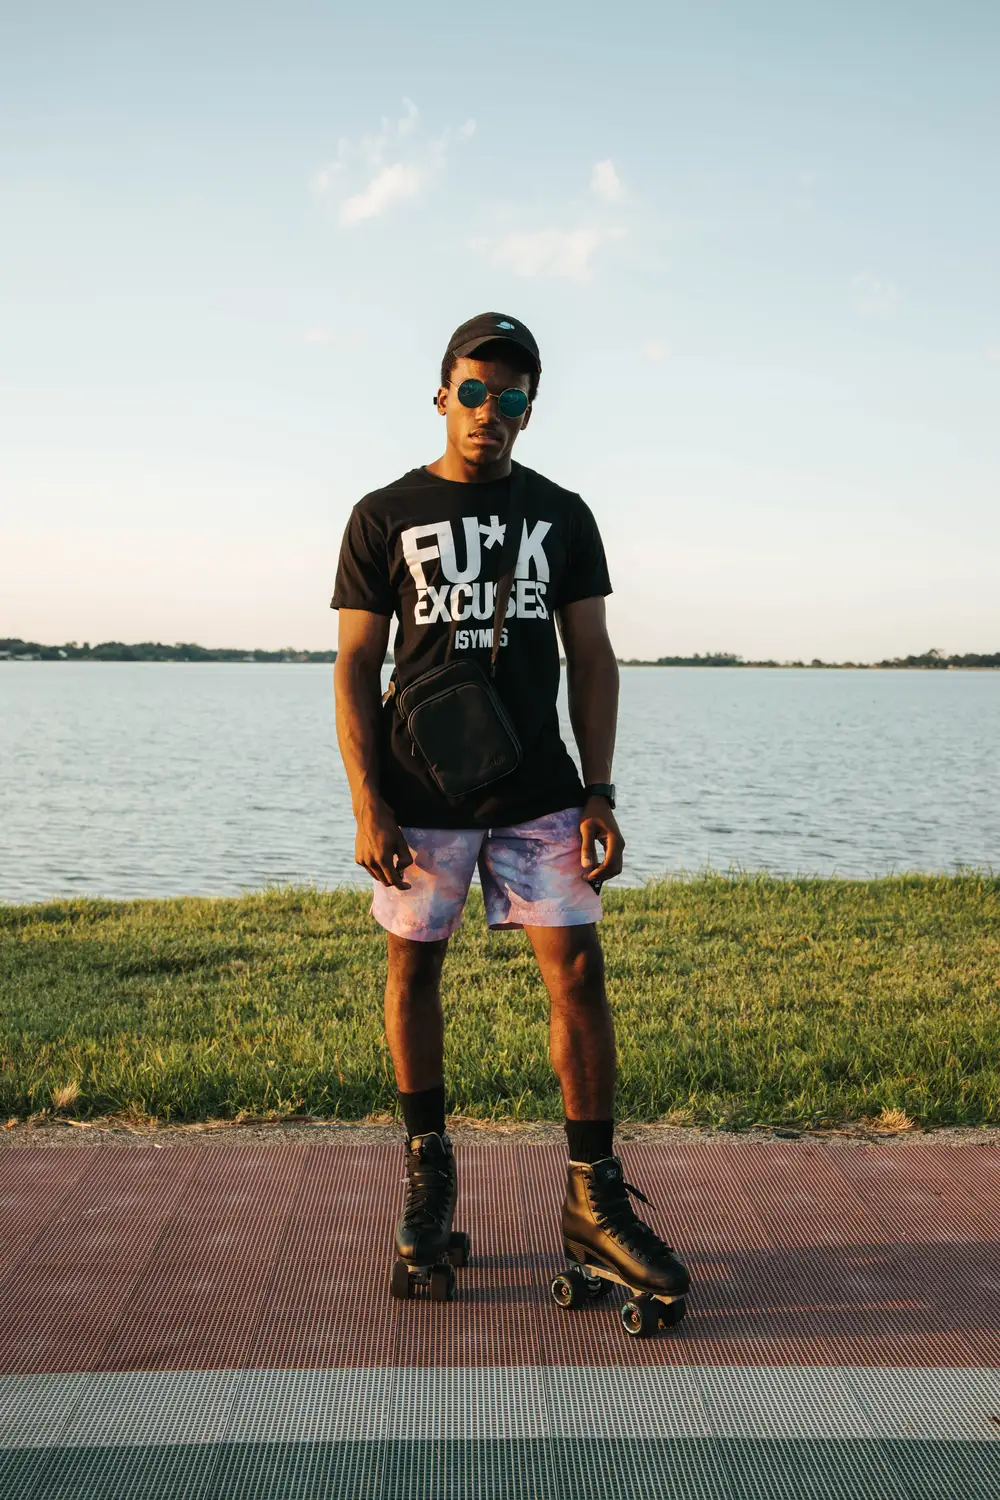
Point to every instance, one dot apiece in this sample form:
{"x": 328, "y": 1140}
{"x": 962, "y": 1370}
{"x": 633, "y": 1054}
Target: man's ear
{"x": 441, "y": 400}
{"x": 526, "y": 418}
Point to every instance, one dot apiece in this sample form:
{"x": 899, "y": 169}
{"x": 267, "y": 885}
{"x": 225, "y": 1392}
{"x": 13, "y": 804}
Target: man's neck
{"x": 453, "y": 466}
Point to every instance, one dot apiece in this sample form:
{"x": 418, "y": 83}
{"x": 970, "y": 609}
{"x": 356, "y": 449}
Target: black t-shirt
{"x": 427, "y": 550}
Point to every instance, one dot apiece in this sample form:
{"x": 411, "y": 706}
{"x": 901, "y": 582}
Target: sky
{"x": 757, "y": 244}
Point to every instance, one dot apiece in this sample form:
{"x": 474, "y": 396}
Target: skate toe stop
{"x": 671, "y": 1313}
{"x": 459, "y": 1248}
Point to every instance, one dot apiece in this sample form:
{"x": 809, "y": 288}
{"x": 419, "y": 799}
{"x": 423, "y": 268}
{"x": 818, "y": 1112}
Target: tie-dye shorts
{"x": 531, "y": 877}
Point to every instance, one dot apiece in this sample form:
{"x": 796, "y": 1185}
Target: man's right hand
{"x": 380, "y": 846}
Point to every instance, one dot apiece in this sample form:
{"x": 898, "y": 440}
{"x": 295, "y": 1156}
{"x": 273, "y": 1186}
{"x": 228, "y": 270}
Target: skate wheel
{"x": 400, "y": 1284}
{"x": 442, "y": 1283}
{"x": 671, "y": 1313}
{"x": 641, "y": 1317}
{"x": 459, "y": 1249}
{"x": 570, "y": 1289}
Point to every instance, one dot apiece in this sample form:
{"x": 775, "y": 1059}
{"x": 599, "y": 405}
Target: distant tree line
{"x": 151, "y": 651}
{"x": 15, "y": 649}
{"x": 928, "y": 659}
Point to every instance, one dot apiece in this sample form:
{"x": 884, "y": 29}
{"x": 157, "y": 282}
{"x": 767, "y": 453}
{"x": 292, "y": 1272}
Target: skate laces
{"x": 615, "y": 1214}
{"x": 427, "y": 1189}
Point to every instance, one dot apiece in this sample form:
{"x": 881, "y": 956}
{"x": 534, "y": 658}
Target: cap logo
{"x": 504, "y": 325}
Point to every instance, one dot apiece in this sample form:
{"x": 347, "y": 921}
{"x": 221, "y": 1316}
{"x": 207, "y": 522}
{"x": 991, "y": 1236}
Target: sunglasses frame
{"x": 487, "y": 393}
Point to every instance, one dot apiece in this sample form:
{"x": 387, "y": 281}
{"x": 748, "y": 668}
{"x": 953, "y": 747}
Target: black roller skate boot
{"x": 427, "y": 1249}
{"x": 607, "y": 1243}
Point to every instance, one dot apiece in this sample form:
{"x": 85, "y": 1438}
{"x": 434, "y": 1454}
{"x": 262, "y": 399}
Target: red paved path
{"x": 191, "y": 1258}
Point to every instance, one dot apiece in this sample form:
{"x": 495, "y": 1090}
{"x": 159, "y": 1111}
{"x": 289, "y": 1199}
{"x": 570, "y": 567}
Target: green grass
{"x": 736, "y": 1001}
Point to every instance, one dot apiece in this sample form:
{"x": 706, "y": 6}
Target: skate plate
{"x": 643, "y": 1314}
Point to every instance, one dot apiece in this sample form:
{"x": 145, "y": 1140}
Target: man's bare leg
{"x": 581, "y": 1032}
{"x": 414, "y": 1029}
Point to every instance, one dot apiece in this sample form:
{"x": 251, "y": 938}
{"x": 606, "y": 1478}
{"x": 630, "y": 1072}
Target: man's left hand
{"x": 598, "y": 825}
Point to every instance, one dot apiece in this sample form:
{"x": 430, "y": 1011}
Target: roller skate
{"x": 608, "y": 1244}
{"x": 427, "y": 1249}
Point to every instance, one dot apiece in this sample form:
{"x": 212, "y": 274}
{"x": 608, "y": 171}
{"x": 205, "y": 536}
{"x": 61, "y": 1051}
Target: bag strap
{"x": 510, "y": 547}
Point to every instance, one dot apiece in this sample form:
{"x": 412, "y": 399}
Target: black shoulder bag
{"x": 454, "y": 714}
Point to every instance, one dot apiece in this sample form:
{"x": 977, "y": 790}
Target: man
{"x": 426, "y": 550}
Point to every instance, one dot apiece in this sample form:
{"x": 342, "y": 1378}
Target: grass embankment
{"x": 737, "y": 1001}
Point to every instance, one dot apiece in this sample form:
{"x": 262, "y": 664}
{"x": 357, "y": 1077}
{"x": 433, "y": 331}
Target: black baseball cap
{"x": 488, "y": 326}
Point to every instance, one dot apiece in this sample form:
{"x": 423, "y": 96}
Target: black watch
{"x": 601, "y": 789}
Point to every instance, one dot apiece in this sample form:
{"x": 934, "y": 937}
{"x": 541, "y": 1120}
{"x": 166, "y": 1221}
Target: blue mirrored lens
{"x": 513, "y": 403}
{"x": 472, "y": 393}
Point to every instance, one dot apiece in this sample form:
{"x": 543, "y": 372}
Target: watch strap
{"x": 601, "y": 789}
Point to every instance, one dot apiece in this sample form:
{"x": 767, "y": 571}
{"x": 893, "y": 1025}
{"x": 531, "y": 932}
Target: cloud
{"x": 563, "y": 253}
{"x": 409, "y": 120}
{"x": 387, "y": 187}
{"x": 993, "y": 354}
{"x": 654, "y": 350}
{"x": 605, "y": 182}
{"x": 873, "y": 295}
{"x": 374, "y": 147}
{"x": 396, "y": 163}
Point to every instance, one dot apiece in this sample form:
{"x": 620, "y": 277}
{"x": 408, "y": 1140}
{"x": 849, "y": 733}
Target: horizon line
{"x": 14, "y": 648}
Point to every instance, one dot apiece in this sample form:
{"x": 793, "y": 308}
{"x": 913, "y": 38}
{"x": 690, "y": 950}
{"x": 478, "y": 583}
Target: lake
{"x": 122, "y": 779}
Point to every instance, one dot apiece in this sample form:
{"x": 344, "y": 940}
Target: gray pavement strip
{"x": 501, "y": 1403}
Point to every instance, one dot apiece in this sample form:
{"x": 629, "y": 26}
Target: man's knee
{"x": 577, "y": 978}
{"x": 414, "y": 965}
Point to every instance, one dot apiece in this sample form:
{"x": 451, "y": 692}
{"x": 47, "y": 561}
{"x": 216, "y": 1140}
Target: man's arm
{"x": 379, "y": 846}
{"x": 592, "y": 681}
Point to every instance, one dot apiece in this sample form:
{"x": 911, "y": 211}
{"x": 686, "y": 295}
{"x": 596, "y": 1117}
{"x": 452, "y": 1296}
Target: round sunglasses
{"x": 510, "y": 403}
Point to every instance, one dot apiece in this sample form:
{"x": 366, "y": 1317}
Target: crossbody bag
{"x": 454, "y": 715}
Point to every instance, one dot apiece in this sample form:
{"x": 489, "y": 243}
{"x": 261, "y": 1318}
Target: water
{"x": 147, "y": 780}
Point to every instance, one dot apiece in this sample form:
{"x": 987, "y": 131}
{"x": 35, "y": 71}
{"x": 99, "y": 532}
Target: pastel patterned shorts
{"x": 531, "y": 876}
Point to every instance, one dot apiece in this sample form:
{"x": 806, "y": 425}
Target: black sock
{"x": 423, "y": 1112}
{"x": 590, "y": 1140}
